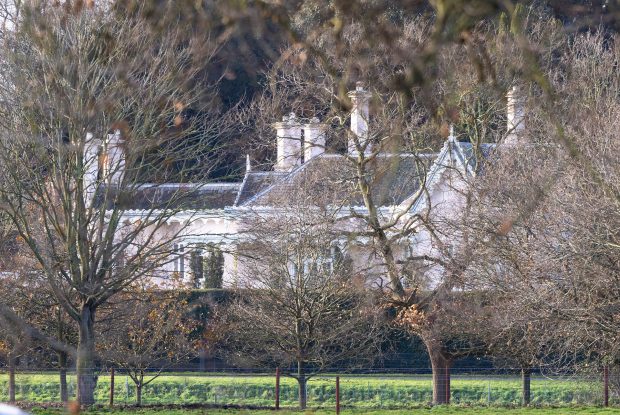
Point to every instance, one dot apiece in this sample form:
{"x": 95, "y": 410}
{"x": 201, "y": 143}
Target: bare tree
{"x": 14, "y": 344}
{"x": 418, "y": 77}
{"x": 299, "y": 301}
{"x": 147, "y": 332}
{"x": 375, "y": 184}
{"x": 544, "y": 217}
{"x": 33, "y": 304}
{"x": 93, "y": 105}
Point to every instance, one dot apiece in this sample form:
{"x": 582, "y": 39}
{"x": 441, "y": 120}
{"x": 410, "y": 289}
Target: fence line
{"x": 370, "y": 390}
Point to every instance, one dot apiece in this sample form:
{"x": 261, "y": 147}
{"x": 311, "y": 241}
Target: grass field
{"x": 356, "y": 391}
{"x": 430, "y": 411}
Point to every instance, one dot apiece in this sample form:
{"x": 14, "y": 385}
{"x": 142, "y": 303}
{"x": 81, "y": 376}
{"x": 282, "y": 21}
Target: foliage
{"x": 207, "y": 266}
{"x": 150, "y": 331}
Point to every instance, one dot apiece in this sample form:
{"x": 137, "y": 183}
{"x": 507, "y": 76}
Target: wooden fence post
{"x": 447, "y": 372}
{"x": 337, "y": 395}
{"x": 112, "y": 387}
{"x": 277, "y": 388}
{"x": 606, "y": 385}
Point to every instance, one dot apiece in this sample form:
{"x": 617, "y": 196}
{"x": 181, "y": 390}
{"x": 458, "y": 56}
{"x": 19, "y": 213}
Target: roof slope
{"x": 254, "y": 182}
{"x": 178, "y": 196}
{"x": 462, "y": 156}
{"x": 330, "y": 179}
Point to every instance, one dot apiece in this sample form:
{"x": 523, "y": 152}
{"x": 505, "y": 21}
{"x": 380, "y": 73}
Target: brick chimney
{"x": 515, "y": 115}
{"x": 360, "y": 99}
{"x": 314, "y": 139}
{"x": 288, "y": 133}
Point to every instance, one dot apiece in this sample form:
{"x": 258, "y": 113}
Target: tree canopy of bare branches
{"x": 92, "y": 106}
{"x": 299, "y": 302}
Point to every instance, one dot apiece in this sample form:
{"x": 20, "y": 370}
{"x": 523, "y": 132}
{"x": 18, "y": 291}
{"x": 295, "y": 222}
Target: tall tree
{"x": 298, "y": 303}
{"x": 92, "y": 104}
{"x": 545, "y": 215}
{"x": 421, "y": 75}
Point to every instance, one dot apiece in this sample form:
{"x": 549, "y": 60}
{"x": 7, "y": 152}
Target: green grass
{"x": 356, "y": 391}
{"x": 429, "y": 411}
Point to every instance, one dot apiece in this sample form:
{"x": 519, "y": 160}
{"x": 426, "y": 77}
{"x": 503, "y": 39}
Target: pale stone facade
{"x": 218, "y": 218}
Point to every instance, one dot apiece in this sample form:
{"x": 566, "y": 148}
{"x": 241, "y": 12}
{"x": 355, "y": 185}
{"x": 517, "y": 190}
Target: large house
{"x": 214, "y": 213}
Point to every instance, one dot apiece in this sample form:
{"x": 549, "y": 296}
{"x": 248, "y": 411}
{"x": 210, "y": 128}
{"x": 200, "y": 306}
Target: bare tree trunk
{"x": 62, "y": 358}
{"x": 303, "y": 381}
{"x": 62, "y": 365}
{"x": 139, "y": 394}
{"x": 86, "y": 357}
{"x": 441, "y": 365}
{"x": 11, "y": 362}
{"x": 139, "y": 386}
{"x": 525, "y": 378}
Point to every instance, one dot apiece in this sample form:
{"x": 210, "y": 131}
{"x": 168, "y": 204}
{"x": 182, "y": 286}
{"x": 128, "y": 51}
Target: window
{"x": 332, "y": 261}
{"x": 207, "y": 266}
{"x": 179, "y": 260}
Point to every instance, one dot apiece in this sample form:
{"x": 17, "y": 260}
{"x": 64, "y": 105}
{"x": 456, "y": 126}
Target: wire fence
{"x": 373, "y": 390}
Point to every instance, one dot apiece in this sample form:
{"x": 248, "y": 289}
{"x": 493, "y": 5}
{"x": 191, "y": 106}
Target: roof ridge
{"x": 265, "y": 173}
{"x": 240, "y": 191}
{"x": 172, "y": 185}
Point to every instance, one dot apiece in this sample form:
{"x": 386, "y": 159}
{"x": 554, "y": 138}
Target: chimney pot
{"x": 314, "y": 139}
{"x": 288, "y": 141}
{"x": 359, "y": 120}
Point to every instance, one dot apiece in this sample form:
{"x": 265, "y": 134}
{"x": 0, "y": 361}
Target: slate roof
{"x": 473, "y": 156}
{"x": 171, "y": 196}
{"x": 330, "y": 179}
{"x": 326, "y": 179}
{"x": 255, "y": 182}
